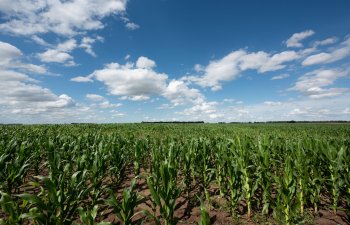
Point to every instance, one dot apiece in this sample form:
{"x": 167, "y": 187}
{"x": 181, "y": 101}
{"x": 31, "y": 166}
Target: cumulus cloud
{"x": 145, "y": 63}
{"x": 101, "y": 101}
{"x": 342, "y": 51}
{"x": 53, "y": 55}
{"x": 29, "y": 17}
{"x": 10, "y": 57}
{"x": 8, "y": 53}
{"x": 128, "y": 80}
{"x": 21, "y": 96}
{"x": 232, "y": 65}
{"x": 22, "y": 99}
{"x": 179, "y": 93}
{"x": 316, "y": 84}
{"x": 202, "y": 110}
{"x": 139, "y": 82}
{"x": 60, "y": 54}
{"x": 295, "y": 39}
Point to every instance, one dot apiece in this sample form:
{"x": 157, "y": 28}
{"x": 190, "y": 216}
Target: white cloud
{"x": 128, "y": 24}
{"x": 67, "y": 46}
{"x": 135, "y": 98}
{"x": 106, "y": 104}
{"x": 60, "y": 54}
{"x": 280, "y": 77}
{"x": 127, "y": 57}
{"x": 138, "y": 82}
{"x": 8, "y": 53}
{"x": 86, "y": 43}
{"x": 271, "y": 103}
{"x": 299, "y": 109}
{"x": 231, "y": 66}
{"x": 61, "y": 17}
{"x": 327, "y": 41}
{"x": 225, "y": 69}
{"x": 81, "y": 79}
{"x": 145, "y": 63}
{"x": 10, "y": 57}
{"x": 198, "y": 68}
{"x": 179, "y": 93}
{"x": 20, "y": 96}
{"x": 264, "y": 62}
{"x": 40, "y": 41}
{"x": 201, "y": 110}
{"x": 295, "y": 39}
{"x": 53, "y": 55}
{"x": 24, "y": 100}
{"x": 346, "y": 111}
{"x": 322, "y": 58}
{"x": 165, "y": 106}
{"x": 229, "y": 100}
{"x": 95, "y": 97}
{"x": 132, "y": 26}
{"x": 101, "y": 102}
{"x": 315, "y": 83}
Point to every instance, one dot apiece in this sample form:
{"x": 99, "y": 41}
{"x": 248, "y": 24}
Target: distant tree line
{"x": 172, "y": 122}
{"x": 290, "y": 121}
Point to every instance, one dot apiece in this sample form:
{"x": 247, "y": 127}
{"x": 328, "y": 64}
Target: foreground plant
{"x": 125, "y": 210}
{"x": 205, "y": 218}
{"x": 11, "y": 209}
{"x": 55, "y": 204}
{"x": 164, "y": 192}
{"x": 88, "y": 217}
{"x": 286, "y": 192}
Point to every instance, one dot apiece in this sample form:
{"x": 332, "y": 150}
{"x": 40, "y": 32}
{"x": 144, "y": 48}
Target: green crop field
{"x": 175, "y": 174}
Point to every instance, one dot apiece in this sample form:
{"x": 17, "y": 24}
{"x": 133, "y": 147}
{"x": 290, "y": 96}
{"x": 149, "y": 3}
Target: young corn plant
{"x": 302, "y": 169}
{"x": 264, "y": 175}
{"x": 14, "y": 164}
{"x": 11, "y": 208}
{"x": 187, "y": 164}
{"x": 221, "y": 165}
{"x": 164, "y": 192}
{"x": 207, "y": 170}
{"x": 314, "y": 188}
{"x": 88, "y": 217}
{"x": 118, "y": 164}
{"x": 97, "y": 172}
{"x": 125, "y": 210}
{"x": 286, "y": 192}
{"x": 55, "y": 204}
{"x": 205, "y": 218}
{"x": 247, "y": 170}
{"x": 335, "y": 167}
{"x": 233, "y": 180}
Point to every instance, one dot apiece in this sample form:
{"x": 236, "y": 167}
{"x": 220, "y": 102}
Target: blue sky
{"x": 134, "y": 60}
